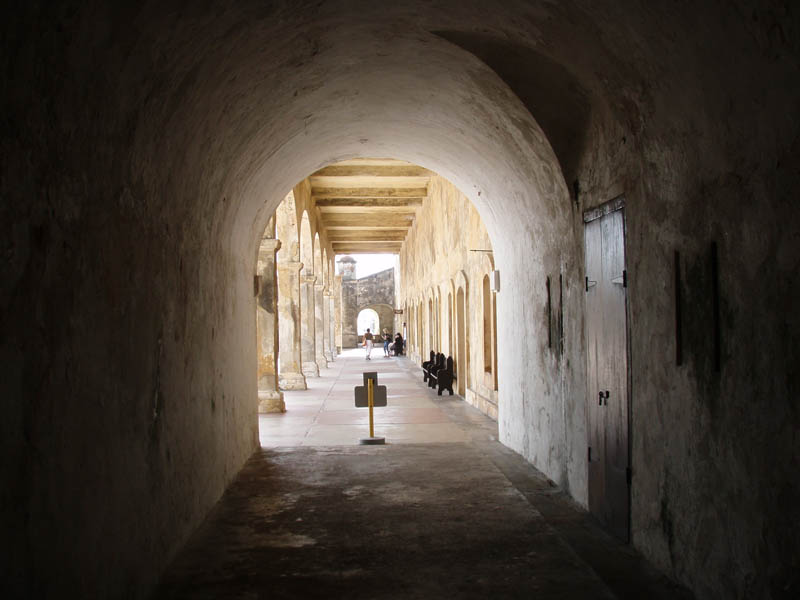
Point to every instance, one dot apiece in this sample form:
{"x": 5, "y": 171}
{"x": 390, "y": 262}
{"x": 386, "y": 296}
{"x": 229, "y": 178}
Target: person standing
{"x": 398, "y": 344}
{"x": 387, "y": 339}
{"x": 368, "y": 343}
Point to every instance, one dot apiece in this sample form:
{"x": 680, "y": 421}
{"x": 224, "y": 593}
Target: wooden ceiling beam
{"x": 350, "y": 246}
{"x": 366, "y": 235}
{"x": 369, "y": 192}
{"x": 376, "y": 210}
{"x": 354, "y": 227}
{"x": 366, "y": 220}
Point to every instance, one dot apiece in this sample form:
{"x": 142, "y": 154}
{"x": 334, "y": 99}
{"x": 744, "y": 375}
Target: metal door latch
{"x": 602, "y": 396}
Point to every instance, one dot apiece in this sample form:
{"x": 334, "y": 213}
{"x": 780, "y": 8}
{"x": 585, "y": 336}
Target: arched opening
{"x": 420, "y": 339}
{"x": 384, "y": 316}
{"x": 451, "y": 348}
{"x": 368, "y": 318}
{"x": 461, "y": 366}
{"x": 437, "y": 321}
{"x": 486, "y": 319}
{"x": 431, "y": 328}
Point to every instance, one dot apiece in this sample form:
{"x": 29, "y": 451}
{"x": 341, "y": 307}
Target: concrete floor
{"x": 443, "y": 510}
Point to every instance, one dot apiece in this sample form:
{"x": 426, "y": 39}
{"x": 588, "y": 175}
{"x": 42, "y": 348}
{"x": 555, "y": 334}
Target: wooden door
{"x": 594, "y": 414}
{"x": 607, "y": 367}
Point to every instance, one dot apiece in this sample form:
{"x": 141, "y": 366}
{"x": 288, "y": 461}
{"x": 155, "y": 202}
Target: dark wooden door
{"x": 607, "y": 367}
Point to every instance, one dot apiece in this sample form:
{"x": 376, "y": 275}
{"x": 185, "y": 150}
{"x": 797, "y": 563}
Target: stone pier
{"x": 337, "y": 312}
{"x": 326, "y": 324}
{"x": 308, "y": 325}
{"x": 290, "y": 372}
{"x": 331, "y": 329}
{"x": 319, "y": 326}
{"x": 270, "y": 399}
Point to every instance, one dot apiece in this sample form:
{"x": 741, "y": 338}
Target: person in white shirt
{"x": 368, "y": 343}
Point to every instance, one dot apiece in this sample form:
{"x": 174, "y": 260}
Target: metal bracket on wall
{"x": 621, "y": 280}
{"x": 590, "y": 283}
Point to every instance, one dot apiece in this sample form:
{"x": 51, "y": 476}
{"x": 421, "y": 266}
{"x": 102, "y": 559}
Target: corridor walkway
{"x": 324, "y": 415}
{"x": 442, "y": 511}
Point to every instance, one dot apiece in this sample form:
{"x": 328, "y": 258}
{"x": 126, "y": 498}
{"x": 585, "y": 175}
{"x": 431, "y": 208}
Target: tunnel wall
{"x": 145, "y": 146}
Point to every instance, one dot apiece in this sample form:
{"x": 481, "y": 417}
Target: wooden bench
{"x": 441, "y": 374}
{"x": 427, "y": 364}
{"x": 433, "y": 368}
{"x": 445, "y": 377}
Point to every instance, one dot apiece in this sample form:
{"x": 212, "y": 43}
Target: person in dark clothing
{"x": 398, "y": 345}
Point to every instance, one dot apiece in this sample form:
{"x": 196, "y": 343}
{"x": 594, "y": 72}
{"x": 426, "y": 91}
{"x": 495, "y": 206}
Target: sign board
{"x": 378, "y": 392}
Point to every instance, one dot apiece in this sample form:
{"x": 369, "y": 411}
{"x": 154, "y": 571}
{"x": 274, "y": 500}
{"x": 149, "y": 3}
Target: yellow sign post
{"x": 371, "y": 406}
{"x": 371, "y": 395}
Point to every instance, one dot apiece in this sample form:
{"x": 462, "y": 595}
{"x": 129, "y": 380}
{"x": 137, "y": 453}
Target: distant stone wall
{"x": 374, "y": 291}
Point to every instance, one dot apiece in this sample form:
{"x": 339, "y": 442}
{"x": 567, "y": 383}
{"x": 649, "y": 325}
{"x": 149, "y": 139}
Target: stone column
{"x": 270, "y": 399}
{"x": 307, "y": 326}
{"x": 290, "y": 372}
{"x": 331, "y": 327}
{"x": 319, "y": 326}
{"x": 337, "y": 312}
{"x": 326, "y": 324}
{"x": 350, "y": 337}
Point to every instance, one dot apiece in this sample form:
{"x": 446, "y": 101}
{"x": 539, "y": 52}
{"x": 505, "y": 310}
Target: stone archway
{"x": 385, "y": 315}
{"x": 367, "y": 318}
{"x": 136, "y": 212}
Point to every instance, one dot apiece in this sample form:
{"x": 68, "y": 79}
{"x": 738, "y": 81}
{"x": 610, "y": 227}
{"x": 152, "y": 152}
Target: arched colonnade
{"x": 296, "y": 289}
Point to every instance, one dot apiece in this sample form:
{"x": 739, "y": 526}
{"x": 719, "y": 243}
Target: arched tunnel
{"x": 147, "y": 144}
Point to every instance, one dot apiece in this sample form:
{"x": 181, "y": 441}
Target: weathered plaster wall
{"x": 449, "y": 244}
{"x": 147, "y": 144}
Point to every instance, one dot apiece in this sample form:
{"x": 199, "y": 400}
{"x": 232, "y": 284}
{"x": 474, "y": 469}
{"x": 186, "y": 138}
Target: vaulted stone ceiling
{"x": 368, "y": 205}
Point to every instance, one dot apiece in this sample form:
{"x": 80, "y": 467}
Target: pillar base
{"x": 372, "y": 441}
{"x": 322, "y": 363}
{"x": 271, "y": 401}
{"x": 310, "y": 369}
{"x": 292, "y": 381}
{"x": 329, "y": 356}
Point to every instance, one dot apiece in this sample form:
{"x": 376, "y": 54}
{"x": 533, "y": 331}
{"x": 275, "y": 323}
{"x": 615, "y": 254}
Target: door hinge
{"x": 628, "y": 475}
{"x": 590, "y": 284}
{"x": 625, "y": 278}
{"x": 590, "y": 454}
